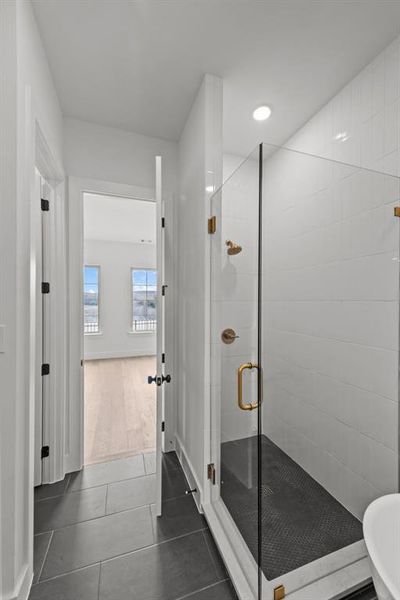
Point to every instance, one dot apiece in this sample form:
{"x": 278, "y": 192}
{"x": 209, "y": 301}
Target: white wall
{"x": 200, "y": 166}
{"x": 116, "y": 260}
{"x": 29, "y": 98}
{"x": 97, "y": 152}
{"x": 332, "y": 280}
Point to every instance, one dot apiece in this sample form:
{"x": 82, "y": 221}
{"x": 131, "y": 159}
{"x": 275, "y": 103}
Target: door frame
{"x": 53, "y": 467}
{"x": 77, "y": 187}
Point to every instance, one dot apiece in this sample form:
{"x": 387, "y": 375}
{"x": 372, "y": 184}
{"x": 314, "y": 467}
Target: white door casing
{"x": 161, "y": 290}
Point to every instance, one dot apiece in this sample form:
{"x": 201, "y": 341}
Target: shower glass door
{"x": 329, "y": 432}
{"x": 304, "y": 364}
{"x": 236, "y": 370}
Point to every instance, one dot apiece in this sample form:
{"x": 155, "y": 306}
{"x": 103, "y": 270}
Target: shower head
{"x": 233, "y": 248}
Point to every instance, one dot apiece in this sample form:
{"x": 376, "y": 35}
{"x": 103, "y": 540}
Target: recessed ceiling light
{"x": 342, "y": 136}
{"x": 262, "y": 113}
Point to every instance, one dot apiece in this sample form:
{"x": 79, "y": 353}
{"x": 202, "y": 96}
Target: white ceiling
{"x": 111, "y": 218}
{"x": 136, "y": 64}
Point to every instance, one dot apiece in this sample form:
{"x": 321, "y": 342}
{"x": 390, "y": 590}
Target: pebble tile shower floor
{"x": 301, "y": 521}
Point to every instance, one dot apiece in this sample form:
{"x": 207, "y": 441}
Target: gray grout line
{"x": 209, "y": 551}
{"x": 45, "y": 557}
{"x": 208, "y": 587}
{"x": 90, "y": 487}
{"x": 93, "y": 519}
{"x": 67, "y": 573}
{"x": 178, "y": 537}
{"x": 105, "y": 506}
{"x": 129, "y": 553}
{"x": 98, "y": 584}
{"x": 73, "y": 492}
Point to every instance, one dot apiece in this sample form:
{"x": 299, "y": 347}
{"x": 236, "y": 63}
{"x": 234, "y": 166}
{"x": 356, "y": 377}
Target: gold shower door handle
{"x": 242, "y": 405}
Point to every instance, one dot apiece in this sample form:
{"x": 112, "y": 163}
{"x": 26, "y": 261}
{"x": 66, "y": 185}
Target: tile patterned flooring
{"x": 300, "y": 520}
{"x": 97, "y": 537}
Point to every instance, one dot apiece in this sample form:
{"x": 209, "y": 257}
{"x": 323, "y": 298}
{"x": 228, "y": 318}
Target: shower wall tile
{"x": 331, "y": 289}
{"x": 234, "y": 286}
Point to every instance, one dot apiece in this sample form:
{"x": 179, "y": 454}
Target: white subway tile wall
{"x": 234, "y": 295}
{"x": 331, "y": 275}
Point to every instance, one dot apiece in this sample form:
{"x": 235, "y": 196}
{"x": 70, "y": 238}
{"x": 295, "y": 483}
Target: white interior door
{"x": 161, "y": 378}
{"x": 36, "y": 323}
{"x": 47, "y": 364}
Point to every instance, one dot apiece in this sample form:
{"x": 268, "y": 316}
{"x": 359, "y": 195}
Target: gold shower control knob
{"x": 228, "y": 336}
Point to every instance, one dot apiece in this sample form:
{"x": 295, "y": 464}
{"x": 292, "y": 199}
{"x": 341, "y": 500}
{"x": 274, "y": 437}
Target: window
{"x": 144, "y": 300}
{"x": 91, "y": 285}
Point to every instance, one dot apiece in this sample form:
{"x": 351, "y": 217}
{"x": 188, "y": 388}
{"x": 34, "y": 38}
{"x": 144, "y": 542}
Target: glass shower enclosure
{"x": 304, "y": 364}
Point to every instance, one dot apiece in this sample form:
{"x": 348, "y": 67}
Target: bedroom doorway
{"x": 120, "y": 324}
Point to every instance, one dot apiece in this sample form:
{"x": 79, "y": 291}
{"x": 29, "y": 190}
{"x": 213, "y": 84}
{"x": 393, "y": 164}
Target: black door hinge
{"x": 45, "y": 451}
{"x": 45, "y": 369}
{"x": 163, "y": 358}
{"x": 163, "y": 426}
{"x": 45, "y": 287}
{"x": 163, "y": 288}
{"x": 44, "y": 204}
{"x": 162, "y": 221}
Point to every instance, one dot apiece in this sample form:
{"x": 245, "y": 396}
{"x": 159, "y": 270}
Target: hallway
{"x": 97, "y": 538}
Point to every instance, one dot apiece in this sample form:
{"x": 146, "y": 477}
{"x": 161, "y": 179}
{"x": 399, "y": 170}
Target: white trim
{"x": 77, "y": 186}
{"x": 23, "y": 587}
{"x": 337, "y": 585}
{"x": 189, "y": 472}
{"x": 132, "y": 332}
{"x": 122, "y": 354}
{"x": 232, "y": 551}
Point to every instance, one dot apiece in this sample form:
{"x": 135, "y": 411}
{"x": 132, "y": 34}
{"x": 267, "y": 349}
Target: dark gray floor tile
{"x": 131, "y": 493}
{"x": 40, "y": 547}
{"x": 80, "y": 585}
{"x": 367, "y": 593}
{"x": 52, "y": 489}
{"x": 171, "y": 461}
{"x": 54, "y": 513}
{"x": 215, "y": 555}
{"x": 220, "y": 591}
{"x": 163, "y": 572}
{"x": 87, "y": 543}
{"x": 150, "y": 462}
{"x": 174, "y": 483}
{"x": 179, "y": 516}
{"x": 103, "y": 473}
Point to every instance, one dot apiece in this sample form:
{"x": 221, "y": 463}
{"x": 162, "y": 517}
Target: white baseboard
{"x": 189, "y": 473}
{"x": 123, "y": 354}
{"x": 23, "y": 587}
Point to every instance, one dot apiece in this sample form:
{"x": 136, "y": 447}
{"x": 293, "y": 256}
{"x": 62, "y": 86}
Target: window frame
{"x": 131, "y": 329}
{"x": 99, "y": 329}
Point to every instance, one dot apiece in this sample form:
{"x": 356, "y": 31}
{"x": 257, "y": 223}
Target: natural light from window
{"x": 144, "y": 300}
{"x": 91, "y": 287}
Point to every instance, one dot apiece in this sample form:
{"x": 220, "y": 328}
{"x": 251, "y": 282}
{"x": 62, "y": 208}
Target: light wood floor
{"x": 120, "y": 408}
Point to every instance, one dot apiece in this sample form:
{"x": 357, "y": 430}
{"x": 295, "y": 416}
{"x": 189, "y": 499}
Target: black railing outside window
{"x": 91, "y": 289}
{"x": 144, "y": 300}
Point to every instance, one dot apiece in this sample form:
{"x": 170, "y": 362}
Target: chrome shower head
{"x": 233, "y": 248}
